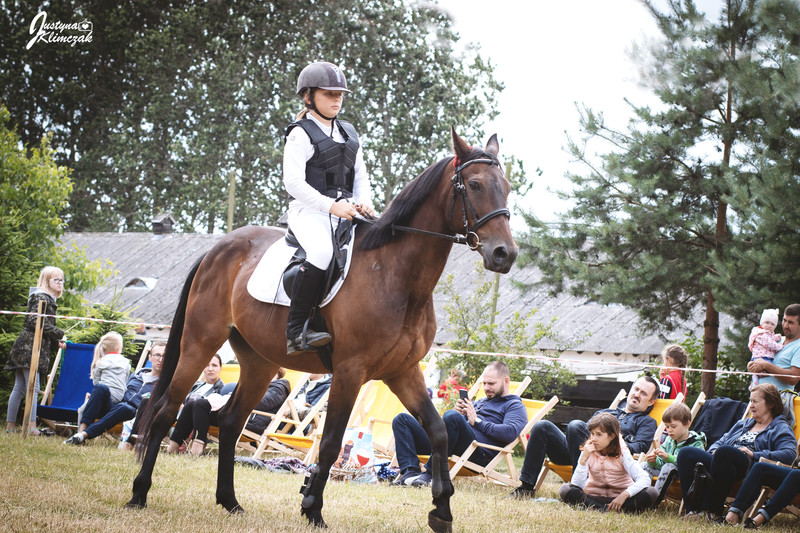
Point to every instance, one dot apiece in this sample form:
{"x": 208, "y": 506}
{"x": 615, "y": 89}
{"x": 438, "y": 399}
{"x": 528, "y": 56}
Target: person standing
{"x": 49, "y": 288}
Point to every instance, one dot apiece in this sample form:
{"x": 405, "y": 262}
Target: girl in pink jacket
{"x": 764, "y": 343}
{"x": 607, "y": 477}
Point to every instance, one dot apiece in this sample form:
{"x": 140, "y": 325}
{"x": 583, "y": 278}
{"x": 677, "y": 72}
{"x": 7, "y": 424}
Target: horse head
{"x": 480, "y": 203}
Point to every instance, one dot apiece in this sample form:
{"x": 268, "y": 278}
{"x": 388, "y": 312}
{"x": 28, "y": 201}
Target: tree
{"x": 171, "y": 99}
{"x": 33, "y": 190}
{"x": 765, "y": 256}
{"x": 471, "y": 317}
{"x": 652, "y": 227}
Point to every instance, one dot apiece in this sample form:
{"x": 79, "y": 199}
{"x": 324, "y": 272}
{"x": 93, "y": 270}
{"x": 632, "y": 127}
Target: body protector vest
{"x": 331, "y": 170}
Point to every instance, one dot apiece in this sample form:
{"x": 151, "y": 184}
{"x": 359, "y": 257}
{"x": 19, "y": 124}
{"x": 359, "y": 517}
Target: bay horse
{"x": 382, "y": 320}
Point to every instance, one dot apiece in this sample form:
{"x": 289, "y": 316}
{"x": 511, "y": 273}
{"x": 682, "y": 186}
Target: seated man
{"x": 496, "y": 419}
{"x": 636, "y": 426}
{"x": 139, "y": 385}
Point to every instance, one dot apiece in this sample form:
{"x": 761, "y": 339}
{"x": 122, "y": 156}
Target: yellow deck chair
{"x": 230, "y": 373}
{"x": 536, "y": 411}
{"x": 297, "y": 442}
{"x": 565, "y": 471}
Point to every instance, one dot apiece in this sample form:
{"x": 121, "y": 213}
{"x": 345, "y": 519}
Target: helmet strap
{"x": 313, "y": 107}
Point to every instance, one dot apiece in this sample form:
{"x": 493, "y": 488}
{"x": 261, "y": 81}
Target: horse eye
{"x": 474, "y": 185}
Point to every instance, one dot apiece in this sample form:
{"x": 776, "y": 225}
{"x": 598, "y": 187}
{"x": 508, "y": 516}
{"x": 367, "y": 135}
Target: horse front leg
{"x": 412, "y": 392}
{"x": 340, "y": 404}
{"x": 440, "y": 518}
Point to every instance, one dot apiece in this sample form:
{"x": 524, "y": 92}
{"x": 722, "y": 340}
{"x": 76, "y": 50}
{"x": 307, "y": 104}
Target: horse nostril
{"x": 500, "y": 254}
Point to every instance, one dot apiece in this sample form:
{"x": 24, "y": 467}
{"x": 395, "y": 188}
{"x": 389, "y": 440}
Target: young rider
{"x": 324, "y": 173}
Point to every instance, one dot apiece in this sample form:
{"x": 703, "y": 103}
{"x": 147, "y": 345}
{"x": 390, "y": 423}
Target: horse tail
{"x": 171, "y": 356}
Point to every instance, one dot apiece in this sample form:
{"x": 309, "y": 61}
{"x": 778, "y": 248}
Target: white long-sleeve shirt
{"x": 296, "y": 153}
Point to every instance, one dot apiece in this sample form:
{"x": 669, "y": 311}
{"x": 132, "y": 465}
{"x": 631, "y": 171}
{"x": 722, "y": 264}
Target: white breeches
{"x": 313, "y": 230}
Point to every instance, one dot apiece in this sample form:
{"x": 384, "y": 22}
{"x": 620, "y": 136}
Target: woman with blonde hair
{"x": 49, "y": 288}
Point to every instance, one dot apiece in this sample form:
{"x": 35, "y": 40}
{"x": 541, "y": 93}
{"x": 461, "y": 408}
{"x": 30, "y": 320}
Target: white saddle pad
{"x": 266, "y": 282}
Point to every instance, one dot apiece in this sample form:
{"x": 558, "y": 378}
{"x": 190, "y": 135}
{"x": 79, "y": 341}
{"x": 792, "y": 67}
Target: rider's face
{"x": 328, "y": 103}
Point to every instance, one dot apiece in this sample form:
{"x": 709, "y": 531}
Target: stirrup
{"x": 313, "y": 340}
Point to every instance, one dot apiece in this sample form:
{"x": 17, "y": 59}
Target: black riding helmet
{"x": 321, "y": 75}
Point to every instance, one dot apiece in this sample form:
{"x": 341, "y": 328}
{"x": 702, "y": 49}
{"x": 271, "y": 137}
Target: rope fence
{"x": 542, "y": 358}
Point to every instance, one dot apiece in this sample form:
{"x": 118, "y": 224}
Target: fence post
{"x": 31, "y": 396}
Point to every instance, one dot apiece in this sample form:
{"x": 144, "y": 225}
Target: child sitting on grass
{"x": 661, "y": 461}
{"x": 670, "y": 377}
{"x": 607, "y": 477}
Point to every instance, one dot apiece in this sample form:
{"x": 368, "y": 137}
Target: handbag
{"x": 699, "y": 487}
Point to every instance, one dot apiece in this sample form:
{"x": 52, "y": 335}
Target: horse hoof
{"x": 134, "y": 504}
{"x": 237, "y": 509}
{"x": 439, "y": 525}
{"x": 314, "y": 518}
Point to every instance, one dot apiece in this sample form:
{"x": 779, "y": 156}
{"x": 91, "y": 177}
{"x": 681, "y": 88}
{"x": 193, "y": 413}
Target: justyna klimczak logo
{"x": 69, "y": 33}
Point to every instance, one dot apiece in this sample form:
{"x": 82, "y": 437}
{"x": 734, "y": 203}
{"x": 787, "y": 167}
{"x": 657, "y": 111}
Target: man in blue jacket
{"x": 636, "y": 426}
{"x": 139, "y": 385}
{"x": 496, "y": 419}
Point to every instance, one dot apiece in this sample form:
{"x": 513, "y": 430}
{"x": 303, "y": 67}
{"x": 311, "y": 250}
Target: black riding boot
{"x": 305, "y": 295}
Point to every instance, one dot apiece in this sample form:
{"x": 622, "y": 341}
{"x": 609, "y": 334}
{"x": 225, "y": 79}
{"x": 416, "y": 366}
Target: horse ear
{"x": 493, "y": 146}
{"x": 460, "y": 148}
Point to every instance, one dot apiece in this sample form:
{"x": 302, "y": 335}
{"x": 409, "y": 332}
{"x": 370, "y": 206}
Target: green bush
{"x": 471, "y": 317}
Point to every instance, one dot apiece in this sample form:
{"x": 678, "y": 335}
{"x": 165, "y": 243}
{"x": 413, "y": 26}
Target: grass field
{"x": 47, "y": 486}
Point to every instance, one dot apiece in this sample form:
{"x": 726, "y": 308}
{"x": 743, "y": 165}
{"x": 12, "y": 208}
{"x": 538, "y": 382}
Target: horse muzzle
{"x": 499, "y": 258}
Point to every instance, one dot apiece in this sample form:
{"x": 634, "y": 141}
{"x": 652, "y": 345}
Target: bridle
{"x": 470, "y": 235}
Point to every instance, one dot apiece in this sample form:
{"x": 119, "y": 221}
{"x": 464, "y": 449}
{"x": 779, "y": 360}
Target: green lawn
{"x": 47, "y": 486}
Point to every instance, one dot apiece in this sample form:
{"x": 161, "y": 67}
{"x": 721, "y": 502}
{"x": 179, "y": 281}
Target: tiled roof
{"x": 585, "y": 326}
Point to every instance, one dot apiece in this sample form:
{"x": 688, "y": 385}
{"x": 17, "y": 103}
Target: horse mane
{"x": 403, "y": 207}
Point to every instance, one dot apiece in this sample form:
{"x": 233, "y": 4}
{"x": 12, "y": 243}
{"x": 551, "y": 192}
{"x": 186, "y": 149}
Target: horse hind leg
{"x": 254, "y": 379}
{"x": 144, "y": 480}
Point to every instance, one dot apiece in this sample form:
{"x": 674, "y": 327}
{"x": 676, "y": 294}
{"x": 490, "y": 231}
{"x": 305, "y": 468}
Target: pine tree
{"x": 653, "y": 225}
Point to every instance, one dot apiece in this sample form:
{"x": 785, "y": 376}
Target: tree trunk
{"x": 711, "y": 323}
{"x": 710, "y": 347}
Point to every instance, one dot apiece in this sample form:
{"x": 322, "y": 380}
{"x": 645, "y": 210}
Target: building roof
{"x": 151, "y": 270}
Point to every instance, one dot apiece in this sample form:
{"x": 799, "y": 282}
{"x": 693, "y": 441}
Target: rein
{"x": 470, "y": 236}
